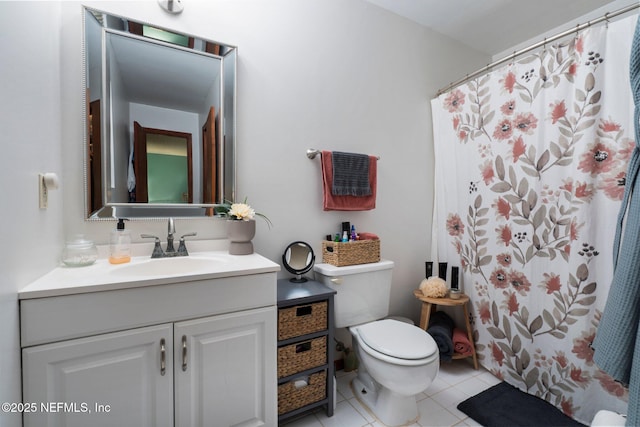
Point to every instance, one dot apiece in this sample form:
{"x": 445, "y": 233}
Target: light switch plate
{"x": 43, "y": 193}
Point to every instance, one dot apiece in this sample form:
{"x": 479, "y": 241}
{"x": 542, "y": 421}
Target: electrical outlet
{"x": 44, "y": 201}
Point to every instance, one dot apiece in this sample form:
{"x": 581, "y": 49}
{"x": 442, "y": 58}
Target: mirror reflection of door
{"x": 94, "y": 184}
{"x": 163, "y": 166}
{"x": 209, "y": 157}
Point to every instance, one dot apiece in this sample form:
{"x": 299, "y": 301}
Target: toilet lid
{"x": 398, "y": 339}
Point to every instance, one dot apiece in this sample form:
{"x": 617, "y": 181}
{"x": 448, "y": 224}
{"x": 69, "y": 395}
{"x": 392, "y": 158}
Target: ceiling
{"x": 493, "y": 26}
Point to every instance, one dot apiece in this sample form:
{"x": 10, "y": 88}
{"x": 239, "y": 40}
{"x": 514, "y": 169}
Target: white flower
{"x": 241, "y": 211}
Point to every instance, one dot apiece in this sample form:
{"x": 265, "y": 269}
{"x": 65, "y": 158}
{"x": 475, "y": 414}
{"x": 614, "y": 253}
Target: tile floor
{"x": 456, "y": 381}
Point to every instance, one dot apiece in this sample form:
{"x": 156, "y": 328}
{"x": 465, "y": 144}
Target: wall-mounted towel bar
{"x": 312, "y": 153}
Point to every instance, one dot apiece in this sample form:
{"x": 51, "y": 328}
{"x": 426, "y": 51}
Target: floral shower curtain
{"x": 530, "y": 172}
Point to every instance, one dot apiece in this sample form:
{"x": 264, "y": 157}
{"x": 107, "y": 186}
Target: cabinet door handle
{"x": 163, "y": 357}
{"x": 184, "y": 353}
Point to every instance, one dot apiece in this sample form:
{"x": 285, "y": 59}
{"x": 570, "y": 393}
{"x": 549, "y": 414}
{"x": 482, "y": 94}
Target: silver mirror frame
{"x": 228, "y": 165}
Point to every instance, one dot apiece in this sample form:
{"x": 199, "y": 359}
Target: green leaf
{"x": 496, "y": 333}
{"x": 548, "y": 318}
{"x": 516, "y": 344}
{"x": 500, "y": 168}
{"x": 589, "y": 289}
{"x": 543, "y": 160}
{"x": 587, "y": 300}
{"x": 589, "y": 82}
{"x": 501, "y": 187}
{"x": 531, "y": 377}
{"x": 583, "y": 272}
{"x": 578, "y": 312}
{"x": 478, "y": 202}
{"x": 535, "y": 325}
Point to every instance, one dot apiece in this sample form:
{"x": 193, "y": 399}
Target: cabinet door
{"x": 226, "y": 370}
{"x": 105, "y": 380}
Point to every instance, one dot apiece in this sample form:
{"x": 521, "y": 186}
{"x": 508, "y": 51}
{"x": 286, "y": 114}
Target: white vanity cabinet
{"x": 224, "y": 372}
{"x": 105, "y": 380}
{"x": 191, "y": 353}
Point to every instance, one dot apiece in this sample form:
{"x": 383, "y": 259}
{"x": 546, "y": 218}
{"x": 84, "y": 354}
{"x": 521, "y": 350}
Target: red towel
{"x": 461, "y": 342}
{"x": 347, "y": 203}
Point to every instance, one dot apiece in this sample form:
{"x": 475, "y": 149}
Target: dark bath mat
{"x": 504, "y": 405}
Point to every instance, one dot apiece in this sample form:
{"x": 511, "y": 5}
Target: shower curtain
{"x": 530, "y": 171}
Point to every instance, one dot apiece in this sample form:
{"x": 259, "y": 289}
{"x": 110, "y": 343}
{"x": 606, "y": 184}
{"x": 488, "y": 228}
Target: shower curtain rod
{"x": 514, "y": 55}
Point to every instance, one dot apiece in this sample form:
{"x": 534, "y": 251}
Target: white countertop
{"x": 143, "y": 271}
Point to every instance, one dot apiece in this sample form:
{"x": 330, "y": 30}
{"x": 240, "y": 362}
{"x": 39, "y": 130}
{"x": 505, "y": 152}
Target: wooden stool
{"x": 428, "y": 303}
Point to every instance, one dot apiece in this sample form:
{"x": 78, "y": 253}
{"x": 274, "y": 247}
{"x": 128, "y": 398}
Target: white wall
{"x": 329, "y": 74}
{"x": 30, "y": 126}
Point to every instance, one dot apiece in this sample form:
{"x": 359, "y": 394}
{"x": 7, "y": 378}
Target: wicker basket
{"x": 301, "y": 320}
{"x": 290, "y": 397}
{"x": 351, "y": 253}
{"x": 302, "y": 356}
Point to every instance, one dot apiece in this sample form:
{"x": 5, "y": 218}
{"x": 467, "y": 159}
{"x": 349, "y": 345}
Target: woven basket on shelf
{"x": 351, "y": 253}
{"x": 290, "y": 397}
{"x": 301, "y": 356}
{"x": 301, "y": 320}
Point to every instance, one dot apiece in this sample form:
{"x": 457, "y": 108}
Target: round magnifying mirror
{"x": 298, "y": 259}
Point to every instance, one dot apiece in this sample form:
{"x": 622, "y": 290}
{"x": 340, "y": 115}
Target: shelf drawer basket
{"x": 351, "y": 253}
{"x": 291, "y": 398}
{"x": 301, "y": 356}
{"x": 301, "y": 320}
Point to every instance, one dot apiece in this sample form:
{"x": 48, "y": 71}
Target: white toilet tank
{"x": 363, "y": 290}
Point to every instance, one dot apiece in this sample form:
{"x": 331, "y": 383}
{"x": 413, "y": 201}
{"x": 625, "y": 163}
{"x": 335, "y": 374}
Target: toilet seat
{"x": 397, "y": 342}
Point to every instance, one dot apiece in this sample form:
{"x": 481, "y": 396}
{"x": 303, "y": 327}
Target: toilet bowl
{"x": 397, "y": 360}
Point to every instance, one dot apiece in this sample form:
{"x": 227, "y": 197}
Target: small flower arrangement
{"x": 239, "y": 211}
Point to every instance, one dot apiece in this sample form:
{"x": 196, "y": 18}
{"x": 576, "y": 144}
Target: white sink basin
{"x": 170, "y": 266}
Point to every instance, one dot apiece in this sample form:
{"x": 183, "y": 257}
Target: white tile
{"x": 434, "y": 415}
{"x": 450, "y": 397}
{"x": 456, "y": 371}
{"x": 344, "y": 385}
{"x": 489, "y": 378}
{"x": 472, "y": 386}
{"x": 306, "y": 421}
{"x": 345, "y": 415}
{"x": 436, "y": 387}
{"x": 362, "y": 410}
{"x": 469, "y": 422}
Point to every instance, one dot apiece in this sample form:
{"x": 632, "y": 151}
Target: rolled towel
{"x": 441, "y": 330}
{"x": 461, "y": 342}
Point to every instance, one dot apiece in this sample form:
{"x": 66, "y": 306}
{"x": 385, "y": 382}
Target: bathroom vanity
{"x": 169, "y": 342}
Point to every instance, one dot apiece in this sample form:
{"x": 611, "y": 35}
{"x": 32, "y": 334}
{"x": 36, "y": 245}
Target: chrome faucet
{"x": 171, "y": 230}
{"x": 170, "y": 250}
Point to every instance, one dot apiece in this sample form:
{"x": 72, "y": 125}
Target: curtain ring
{"x": 606, "y": 19}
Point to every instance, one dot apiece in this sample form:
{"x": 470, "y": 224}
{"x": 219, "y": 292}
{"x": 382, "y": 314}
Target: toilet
{"x": 397, "y": 360}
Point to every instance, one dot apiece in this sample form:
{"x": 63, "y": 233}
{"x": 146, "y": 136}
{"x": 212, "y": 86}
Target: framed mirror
{"x": 160, "y": 119}
{"x": 298, "y": 259}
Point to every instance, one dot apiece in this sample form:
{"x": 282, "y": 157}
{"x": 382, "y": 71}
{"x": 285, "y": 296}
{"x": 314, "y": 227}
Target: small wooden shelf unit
{"x": 431, "y": 303}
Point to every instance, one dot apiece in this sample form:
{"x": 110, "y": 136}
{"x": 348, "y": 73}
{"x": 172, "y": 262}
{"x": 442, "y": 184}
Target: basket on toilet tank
{"x": 351, "y": 253}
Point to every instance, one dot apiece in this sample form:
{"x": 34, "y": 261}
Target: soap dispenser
{"x": 120, "y": 244}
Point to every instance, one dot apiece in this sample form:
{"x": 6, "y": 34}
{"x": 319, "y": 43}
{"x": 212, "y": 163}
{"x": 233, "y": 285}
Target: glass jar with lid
{"x": 79, "y": 251}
